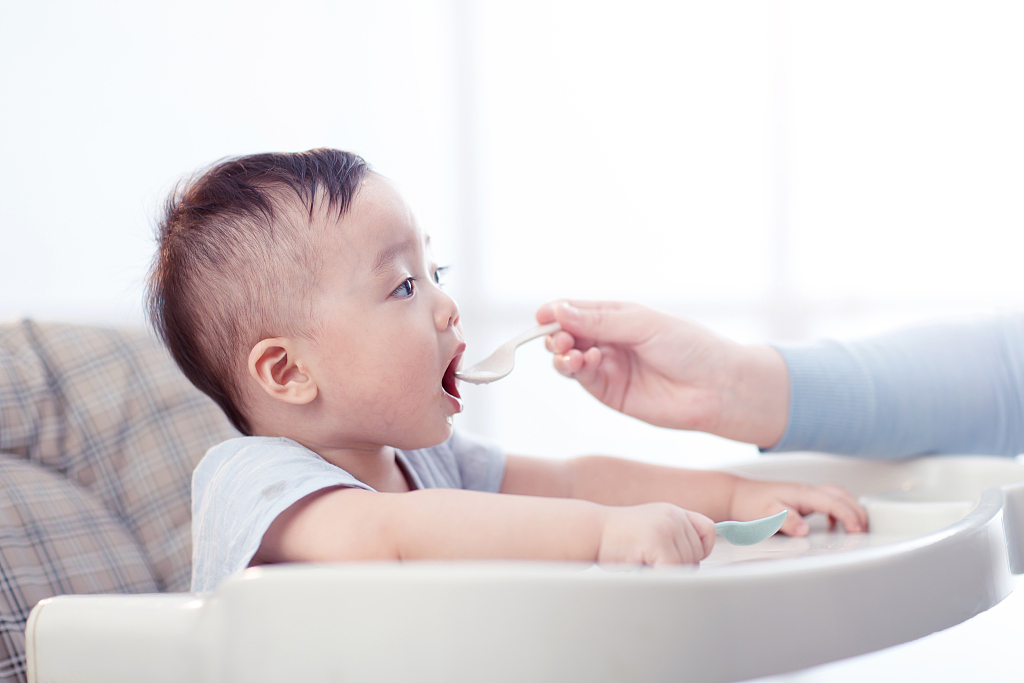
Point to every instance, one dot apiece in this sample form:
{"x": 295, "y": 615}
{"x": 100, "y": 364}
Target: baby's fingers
{"x": 847, "y": 497}
{"x": 705, "y": 528}
{"x": 694, "y": 538}
{"x": 848, "y": 512}
{"x": 794, "y": 524}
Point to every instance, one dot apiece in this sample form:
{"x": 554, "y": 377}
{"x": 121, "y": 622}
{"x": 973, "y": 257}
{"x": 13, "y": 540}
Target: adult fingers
{"x": 569, "y": 363}
{"x": 546, "y": 311}
{"x": 585, "y": 366}
{"x": 560, "y": 342}
{"x": 602, "y": 323}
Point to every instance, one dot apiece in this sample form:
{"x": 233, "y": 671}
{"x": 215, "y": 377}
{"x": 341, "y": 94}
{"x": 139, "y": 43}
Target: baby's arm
{"x": 719, "y": 495}
{"x": 354, "y": 524}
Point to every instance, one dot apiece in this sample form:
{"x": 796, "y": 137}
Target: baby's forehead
{"x": 391, "y": 253}
{"x": 375, "y": 235}
{"x": 377, "y": 199}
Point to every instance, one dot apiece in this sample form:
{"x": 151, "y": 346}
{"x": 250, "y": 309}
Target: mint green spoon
{"x": 754, "y": 531}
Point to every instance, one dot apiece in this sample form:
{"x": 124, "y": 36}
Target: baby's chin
{"x": 427, "y": 438}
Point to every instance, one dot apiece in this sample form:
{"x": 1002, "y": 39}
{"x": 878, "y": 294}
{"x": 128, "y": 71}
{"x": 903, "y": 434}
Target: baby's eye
{"x": 439, "y": 274}
{"x": 405, "y": 290}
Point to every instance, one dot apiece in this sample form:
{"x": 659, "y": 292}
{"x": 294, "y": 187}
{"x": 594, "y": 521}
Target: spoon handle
{"x": 753, "y": 531}
{"x": 539, "y": 331}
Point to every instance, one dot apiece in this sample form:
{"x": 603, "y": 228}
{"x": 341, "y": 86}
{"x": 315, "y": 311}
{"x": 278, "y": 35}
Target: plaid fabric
{"x": 56, "y": 537}
{"x": 109, "y": 413}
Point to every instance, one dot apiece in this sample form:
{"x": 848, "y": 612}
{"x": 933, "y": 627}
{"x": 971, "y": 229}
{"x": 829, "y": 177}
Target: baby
{"x": 298, "y": 292}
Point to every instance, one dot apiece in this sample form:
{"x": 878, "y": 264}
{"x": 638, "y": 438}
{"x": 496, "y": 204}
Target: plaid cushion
{"x": 55, "y": 538}
{"x": 108, "y": 411}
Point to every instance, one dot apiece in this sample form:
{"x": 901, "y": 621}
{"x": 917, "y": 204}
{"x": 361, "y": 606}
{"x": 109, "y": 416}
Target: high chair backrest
{"x": 99, "y": 433}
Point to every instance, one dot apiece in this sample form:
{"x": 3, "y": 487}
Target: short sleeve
{"x": 239, "y": 488}
{"x": 481, "y": 463}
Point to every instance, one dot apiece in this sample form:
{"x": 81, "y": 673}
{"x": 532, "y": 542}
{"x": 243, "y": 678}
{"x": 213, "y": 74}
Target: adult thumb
{"x": 600, "y": 323}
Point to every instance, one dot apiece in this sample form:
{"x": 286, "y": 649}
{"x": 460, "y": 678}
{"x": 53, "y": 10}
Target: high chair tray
{"x": 782, "y": 605}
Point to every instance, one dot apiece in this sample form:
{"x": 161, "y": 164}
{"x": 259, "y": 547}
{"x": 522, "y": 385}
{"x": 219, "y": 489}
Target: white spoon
{"x": 754, "y": 531}
{"x": 501, "y": 362}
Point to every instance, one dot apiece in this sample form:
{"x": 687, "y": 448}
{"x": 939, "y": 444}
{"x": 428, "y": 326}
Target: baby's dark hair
{"x": 238, "y": 256}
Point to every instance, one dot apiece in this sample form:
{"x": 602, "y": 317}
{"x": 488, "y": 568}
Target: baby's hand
{"x": 754, "y": 499}
{"x": 654, "y": 534}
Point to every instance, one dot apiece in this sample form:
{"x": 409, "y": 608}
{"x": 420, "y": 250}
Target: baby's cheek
{"x": 410, "y": 398}
{"x": 407, "y": 388}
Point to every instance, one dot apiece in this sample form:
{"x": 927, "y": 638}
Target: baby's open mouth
{"x": 448, "y": 382}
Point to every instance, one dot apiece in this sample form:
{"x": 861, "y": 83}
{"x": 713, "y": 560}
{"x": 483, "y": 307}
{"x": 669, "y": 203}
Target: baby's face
{"x": 387, "y": 338}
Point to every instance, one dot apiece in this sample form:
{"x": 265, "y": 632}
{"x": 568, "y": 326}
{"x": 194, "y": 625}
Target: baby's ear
{"x": 276, "y": 366}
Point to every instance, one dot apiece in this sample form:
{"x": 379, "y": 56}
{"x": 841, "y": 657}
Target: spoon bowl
{"x": 501, "y": 362}
{"x": 754, "y": 531}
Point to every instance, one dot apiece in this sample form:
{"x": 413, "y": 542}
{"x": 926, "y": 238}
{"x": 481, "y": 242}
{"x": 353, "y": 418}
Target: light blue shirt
{"x": 242, "y": 485}
{"x": 941, "y": 388}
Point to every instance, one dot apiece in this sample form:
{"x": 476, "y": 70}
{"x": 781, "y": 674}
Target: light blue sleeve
{"x": 942, "y": 388}
{"x": 481, "y": 462}
{"x": 238, "y": 489}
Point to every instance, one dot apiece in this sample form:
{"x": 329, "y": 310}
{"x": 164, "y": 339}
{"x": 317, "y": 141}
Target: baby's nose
{"x": 447, "y": 314}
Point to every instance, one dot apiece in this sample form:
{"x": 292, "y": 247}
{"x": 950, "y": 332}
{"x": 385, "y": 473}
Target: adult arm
{"x": 942, "y": 388}
{"x": 669, "y": 371}
{"x": 955, "y": 387}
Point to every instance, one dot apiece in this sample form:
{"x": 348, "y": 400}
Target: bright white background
{"x": 776, "y": 170}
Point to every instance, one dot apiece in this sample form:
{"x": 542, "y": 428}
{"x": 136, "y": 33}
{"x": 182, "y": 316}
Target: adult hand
{"x": 670, "y": 372}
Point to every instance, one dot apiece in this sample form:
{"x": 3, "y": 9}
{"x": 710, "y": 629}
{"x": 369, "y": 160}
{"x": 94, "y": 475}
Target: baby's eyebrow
{"x": 388, "y": 255}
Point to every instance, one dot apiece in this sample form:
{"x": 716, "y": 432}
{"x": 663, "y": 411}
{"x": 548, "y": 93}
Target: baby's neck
{"x": 376, "y": 467}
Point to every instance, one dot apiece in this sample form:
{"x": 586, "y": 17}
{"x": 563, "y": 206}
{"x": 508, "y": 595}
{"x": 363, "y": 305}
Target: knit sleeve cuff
{"x": 831, "y": 399}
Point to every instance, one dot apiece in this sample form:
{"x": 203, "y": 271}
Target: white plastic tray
{"x": 782, "y": 605}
